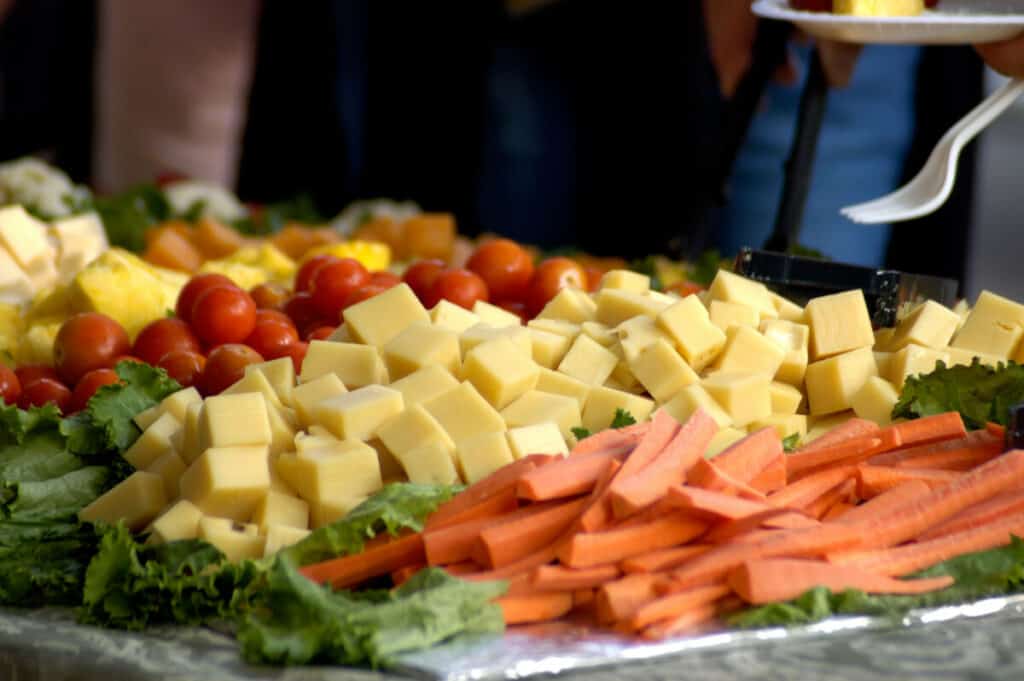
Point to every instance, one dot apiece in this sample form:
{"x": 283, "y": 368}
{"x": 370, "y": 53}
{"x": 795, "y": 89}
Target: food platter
{"x": 960, "y": 22}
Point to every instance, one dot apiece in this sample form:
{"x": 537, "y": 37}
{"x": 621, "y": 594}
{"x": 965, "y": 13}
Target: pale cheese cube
{"x": 349, "y": 470}
{"x": 539, "y": 407}
{"x": 786, "y": 309}
{"x": 883, "y": 360}
{"x": 277, "y": 483}
{"x": 724, "y": 314}
{"x": 875, "y": 400}
{"x": 277, "y": 508}
{"x": 136, "y": 500}
{"x": 190, "y": 446}
{"x": 688, "y": 324}
{"x": 280, "y": 373}
{"x": 571, "y": 305}
{"x": 636, "y": 334}
{"x": 625, "y": 280}
{"x": 425, "y": 384}
{"x": 743, "y": 395}
{"x": 930, "y": 325}
{"x": 81, "y": 239}
{"x": 839, "y": 323}
{"x": 603, "y": 402}
{"x": 494, "y": 315}
{"x": 482, "y": 333}
{"x": 234, "y": 420}
{"x": 722, "y": 440}
{"x": 557, "y": 326}
{"x": 784, "y": 424}
{"x": 883, "y": 337}
{"x": 341, "y": 335}
{"x": 795, "y": 340}
{"x": 539, "y": 438}
{"x": 234, "y": 543}
{"x": 307, "y": 442}
{"x": 588, "y": 361}
{"x": 419, "y": 346}
{"x": 355, "y": 364}
{"x": 480, "y": 455}
{"x": 615, "y": 306}
{"x": 960, "y": 356}
{"x": 694, "y": 397}
{"x": 169, "y": 467}
{"x": 320, "y": 431}
{"x": 282, "y": 429}
{"x": 746, "y": 350}
{"x": 993, "y": 327}
{"x": 391, "y": 469}
{"x": 357, "y": 415}
{"x": 24, "y": 237}
{"x": 255, "y": 382}
{"x": 548, "y": 348}
{"x": 379, "y": 319}
{"x": 176, "y": 404}
{"x": 306, "y": 396}
{"x": 463, "y": 412}
{"x": 154, "y": 442}
{"x": 332, "y": 510}
{"x": 913, "y": 360}
{"x": 432, "y": 463}
{"x": 227, "y": 482}
{"x": 662, "y": 370}
{"x": 622, "y": 377}
{"x": 281, "y": 537}
{"x": 732, "y": 288}
{"x": 144, "y": 419}
{"x": 15, "y": 286}
{"x": 600, "y": 333}
{"x": 410, "y": 429}
{"x": 180, "y": 521}
{"x": 549, "y": 381}
{"x": 785, "y": 398}
{"x": 499, "y": 372}
{"x": 448, "y": 315}
{"x": 831, "y": 383}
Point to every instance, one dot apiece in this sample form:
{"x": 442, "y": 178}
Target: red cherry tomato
{"x": 161, "y": 336}
{"x": 269, "y": 296}
{"x": 552, "y": 276}
{"x": 87, "y": 341}
{"x": 272, "y": 338}
{"x": 10, "y": 386}
{"x": 223, "y": 315}
{"x": 304, "y": 277}
{"x": 321, "y": 333}
{"x": 685, "y": 288}
{"x": 420, "y": 277}
{"x": 123, "y": 358}
{"x": 183, "y": 366}
{"x": 224, "y": 366}
{"x": 385, "y": 279}
{"x": 461, "y": 287}
{"x": 30, "y": 372}
{"x": 363, "y": 293}
{"x": 273, "y": 316}
{"x": 301, "y": 311}
{"x": 505, "y": 267}
{"x": 593, "y": 275}
{"x": 195, "y": 287}
{"x": 44, "y": 391}
{"x": 332, "y": 284}
{"x": 88, "y": 385}
{"x": 297, "y": 351}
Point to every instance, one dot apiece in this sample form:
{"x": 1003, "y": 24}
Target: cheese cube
{"x": 993, "y": 327}
{"x": 557, "y": 327}
{"x": 277, "y": 508}
{"x": 722, "y": 440}
{"x": 622, "y": 377}
{"x": 883, "y": 360}
{"x": 281, "y": 537}
{"x": 356, "y": 365}
{"x": 636, "y": 334}
{"x": 694, "y": 397}
{"x": 794, "y": 339}
{"x": 732, "y": 288}
{"x": 480, "y": 455}
{"x": 15, "y": 286}
{"x": 786, "y": 309}
{"x": 180, "y": 521}
{"x": 190, "y": 447}
{"x": 882, "y": 339}
{"x": 349, "y": 470}
{"x": 549, "y": 381}
{"x": 875, "y": 401}
{"x": 390, "y": 467}
{"x": 625, "y": 280}
{"x": 255, "y": 382}
{"x": 463, "y": 412}
{"x": 341, "y": 335}
{"x": 820, "y": 425}
{"x": 176, "y": 404}
{"x": 960, "y": 356}
{"x": 571, "y": 305}
{"x": 839, "y": 323}
{"x": 432, "y": 463}
{"x": 24, "y": 237}
{"x": 306, "y": 396}
{"x": 379, "y": 319}
{"x": 724, "y": 314}
{"x": 136, "y": 500}
{"x": 662, "y": 371}
{"x": 234, "y": 420}
{"x": 481, "y": 333}
{"x": 930, "y": 325}
{"x": 357, "y": 415}
{"x": 169, "y": 467}
{"x": 688, "y": 324}
{"x": 410, "y": 429}
{"x": 743, "y": 395}
{"x": 603, "y": 402}
{"x": 282, "y": 429}
{"x": 280, "y": 373}
{"x": 494, "y": 315}
{"x": 447, "y": 315}
{"x": 548, "y": 348}
{"x": 227, "y": 482}
{"x": 538, "y": 407}
{"x": 306, "y": 443}
{"x": 784, "y": 424}
{"x": 913, "y": 360}
{"x": 235, "y": 544}
{"x": 746, "y": 350}
{"x": 154, "y": 442}
{"x": 832, "y": 383}
{"x": 785, "y": 398}
{"x": 144, "y": 419}
{"x": 539, "y": 438}
{"x": 422, "y": 345}
{"x": 425, "y": 384}
{"x": 588, "y": 361}
{"x": 615, "y": 306}
{"x": 331, "y": 511}
{"x": 499, "y": 372}
{"x": 600, "y": 333}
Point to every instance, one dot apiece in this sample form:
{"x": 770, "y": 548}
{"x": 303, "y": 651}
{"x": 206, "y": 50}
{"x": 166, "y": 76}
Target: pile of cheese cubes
{"x": 447, "y": 395}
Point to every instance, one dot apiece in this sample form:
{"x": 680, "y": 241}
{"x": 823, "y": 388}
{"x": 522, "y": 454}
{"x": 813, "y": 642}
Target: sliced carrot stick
{"x": 748, "y": 458}
{"x": 799, "y": 494}
{"x": 845, "y": 491}
{"x": 376, "y": 558}
{"x": 583, "y": 597}
{"x": 611, "y": 439}
{"x": 1007, "y": 503}
{"x": 884, "y": 503}
{"x": 506, "y": 542}
{"x": 774, "y": 580}
{"x": 611, "y": 546}
{"x": 996, "y": 429}
{"x": 568, "y": 477}
{"x": 522, "y": 566}
{"x": 688, "y": 621}
{"x": 775, "y": 518}
{"x": 501, "y": 502}
{"x": 707, "y": 475}
{"x": 519, "y": 585}
{"x": 800, "y": 463}
{"x": 466, "y": 567}
{"x": 773, "y": 477}
{"x": 676, "y": 605}
{"x": 399, "y": 576}
{"x": 838, "y": 510}
{"x": 454, "y": 543}
{"x": 598, "y": 513}
{"x": 976, "y": 438}
{"x": 927, "y": 429}
{"x": 618, "y": 600}
{"x": 496, "y": 483}
{"x": 558, "y": 578}
{"x": 535, "y": 607}
{"x": 874, "y": 480}
{"x": 849, "y": 429}
{"x": 713, "y": 503}
{"x": 662, "y": 559}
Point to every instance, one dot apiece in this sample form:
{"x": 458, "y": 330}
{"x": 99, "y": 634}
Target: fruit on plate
{"x": 866, "y": 8}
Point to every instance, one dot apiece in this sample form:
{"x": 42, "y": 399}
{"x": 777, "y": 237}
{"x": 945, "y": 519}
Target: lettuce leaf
{"x": 980, "y": 393}
{"x": 56, "y": 498}
{"x": 44, "y": 563}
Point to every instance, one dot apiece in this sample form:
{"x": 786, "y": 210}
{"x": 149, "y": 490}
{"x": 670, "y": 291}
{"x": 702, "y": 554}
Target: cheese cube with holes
{"x": 913, "y": 360}
{"x": 831, "y": 383}
{"x": 280, "y": 373}
{"x": 136, "y": 500}
{"x": 480, "y": 455}
{"x": 176, "y": 404}
{"x": 235, "y": 543}
{"x": 281, "y": 537}
{"x": 557, "y": 326}
{"x": 571, "y": 305}
{"x": 694, "y": 397}
{"x": 746, "y": 350}
{"x": 349, "y": 469}
{"x": 875, "y": 400}
{"x": 357, "y": 415}
{"x": 256, "y": 382}
{"x": 481, "y": 333}
{"x": 499, "y": 372}
{"x": 494, "y": 315}
{"x": 463, "y": 412}
{"x": 722, "y": 440}
{"x": 277, "y": 508}
{"x": 548, "y": 348}
{"x": 307, "y": 395}
{"x": 993, "y": 327}
{"x": 332, "y": 510}
{"x": 379, "y": 319}
{"x": 180, "y": 521}
{"x": 234, "y": 420}
{"x": 786, "y": 308}
{"x": 549, "y": 381}
{"x": 355, "y": 364}
{"x": 227, "y": 481}
{"x": 626, "y": 280}
{"x": 540, "y": 407}
{"x": 588, "y": 361}
{"x": 425, "y": 384}
{"x": 784, "y": 424}
{"x": 154, "y": 442}
{"x": 662, "y": 371}
{"x": 930, "y": 325}
{"x": 448, "y": 315}
{"x": 743, "y": 395}
{"x": 431, "y": 463}
{"x": 412, "y": 428}
{"x": 636, "y": 334}
{"x": 732, "y": 288}
{"x": 169, "y": 467}
{"x": 724, "y": 314}
{"x": 603, "y": 403}
{"x": 422, "y": 345}
{"x": 540, "y": 438}
{"x": 786, "y": 399}
{"x": 794, "y": 339}
{"x": 190, "y": 446}
{"x": 615, "y": 306}
{"x": 600, "y": 333}
{"x": 839, "y": 323}
{"x": 688, "y": 324}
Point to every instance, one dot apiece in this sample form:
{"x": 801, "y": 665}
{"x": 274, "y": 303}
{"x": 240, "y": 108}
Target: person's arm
{"x": 1006, "y": 57}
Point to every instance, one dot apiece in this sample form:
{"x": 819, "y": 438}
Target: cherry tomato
{"x": 224, "y": 366}
{"x": 297, "y": 351}
{"x": 362, "y": 293}
{"x": 88, "y": 385}
{"x": 273, "y": 316}
{"x": 223, "y": 315}
{"x": 685, "y": 288}
{"x": 43, "y": 391}
{"x": 304, "y": 277}
{"x": 87, "y": 341}
{"x": 593, "y": 275}
{"x": 272, "y": 338}
{"x": 505, "y": 267}
{"x": 552, "y": 276}
{"x": 269, "y": 296}
{"x": 461, "y": 287}
{"x": 123, "y": 358}
{"x": 385, "y": 279}
{"x": 332, "y": 284}
{"x": 516, "y": 308}
{"x": 301, "y": 310}
{"x": 10, "y": 386}
{"x": 30, "y": 372}
{"x": 321, "y": 333}
{"x": 183, "y": 366}
{"x": 196, "y": 286}
{"x": 161, "y": 336}
{"x": 420, "y": 277}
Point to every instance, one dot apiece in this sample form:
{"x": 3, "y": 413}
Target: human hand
{"x": 1006, "y": 57}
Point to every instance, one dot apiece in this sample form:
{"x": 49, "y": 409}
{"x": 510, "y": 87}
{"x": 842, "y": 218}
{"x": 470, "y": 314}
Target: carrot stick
{"x": 402, "y": 574}
{"x": 849, "y": 429}
{"x": 598, "y": 513}
{"x": 662, "y": 559}
{"x": 799, "y": 463}
{"x": 801, "y": 493}
{"x": 675, "y": 605}
{"x": 996, "y": 429}
{"x": 535, "y": 607}
{"x": 976, "y": 438}
{"x": 685, "y": 622}
{"x": 844, "y": 491}
{"x": 611, "y": 439}
{"x": 506, "y": 542}
{"x": 961, "y": 454}
{"x": 619, "y": 599}
{"x": 770, "y": 581}
{"x": 748, "y": 458}
{"x": 778, "y": 518}
{"x": 838, "y": 510}
{"x": 498, "y": 504}
{"x": 707, "y": 475}
{"x": 772, "y": 478}
{"x": 377, "y": 558}
{"x": 459, "y": 507}
{"x": 567, "y": 477}
{"x": 874, "y": 480}
{"x": 931, "y": 428}
{"x": 454, "y": 543}
{"x": 558, "y": 578}
{"x": 522, "y": 566}
{"x": 466, "y": 567}
{"x": 1005, "y": 504}
{"x": 713, "y": 503}
{"x": 598, "y": 548}
{"x": 885, "y": 502}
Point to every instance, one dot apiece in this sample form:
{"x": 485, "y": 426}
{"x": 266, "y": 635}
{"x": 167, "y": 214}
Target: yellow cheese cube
{"x": 615, "y": 306}
{"x": 746, "y": 350}
{"x": 539, "y": 438}
{"x": 24, "y": 237}
{"x": 277, "y": 508}
{"x": 784, "y": 424}
{"x": 447, "y": 315}
{"x": 480, "y": 455}
{"x": 882, "y": 338}
{"x": 227, "y": 481}
{"x": 600, "y": 333}
{"x": 424, "y": 385}
{"x": 180, "y": 521}
{"x": 688, "y": 324}
{"x": 787, "y": 309}
{"x": 743, "y": 395}
{"x": 732, "y": 288}
{"x": 819, "y": 425}
{"x": 307, "y": 442}
{"x": 960, "y": 356}
{"x": 879, "y": 8}
{"x": 422, "y": 345}
{"x": 499, "y": 372}
{"x": 281, "y": 537}
{"x": 722, "y": 440}
{"x": 410, "y": 429}
{"x": 539, "y": 407}
{"x": 549, "y": 381}
{"x": 391, "y": 469}
{"x": 557, "y": 326}
{"x": 626, "y": 280}
{"x": 432, "y": 463}
{"x": 280, "y": 373}
{"x": 636, "y": 334}
{"x": 883, "y": 360}
{"x": 350, "y": 469}
{"x": 494, "y": 315}
{"x": 379, "y": 319}
{"x": 662, "y": 371}
{"x": 355, "y": 364}
{"x": 463, "y": 412}
{"x": 548, "y": 348}
{"x": 603, "y": 402}
{"x": 786, "y": 399}
{"x": 993, "y": 327}
{"x": 571, "y": 305}
{"x": 794, "y": 339}
{"x": 839, "y": 323}
{"x": 15, "y": 286}
{"x": 235, "y": 544}
{"x": 694, "y": 397}
{"x": 332, "y": 510}
{"x": 622, "y": 377}
{"x": 136, "y": 500}
{"x": 832, "y": 383}
{"x": 482, "y": 333}
{"x": 306, "y": 396}
{"x": 282, "y": 429}
{"x": 724, "y": 314}
{"x": 255, "y": 382}
{"x": 154, "y": 442}
{"x": 169, "y": 467}
{"x": 341, "y": 335}
{"x": 875, "y": 400}
{"x": 357, "y": 415}
{"x": 913, "y": 360}
{"x": 234, "y": 420}
{"x": 931, "y": 325}
{"x": 176, "y": 404}
{"x": 190, "y": 447}
{"x": 144, "y": 419}
{"x": 588, "y": 361}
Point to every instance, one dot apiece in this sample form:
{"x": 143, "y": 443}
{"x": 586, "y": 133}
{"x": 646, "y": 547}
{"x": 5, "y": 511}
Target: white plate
{"x": 959, "y": 22}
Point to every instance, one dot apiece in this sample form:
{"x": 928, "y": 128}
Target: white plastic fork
{"x": 933, "y": 184}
